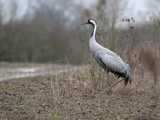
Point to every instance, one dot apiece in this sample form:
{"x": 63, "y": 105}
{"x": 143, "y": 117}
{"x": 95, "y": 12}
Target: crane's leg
{"x": 118, "y": 76}
{"x": 107, "y": 70}
{"x": 126, "y": 82}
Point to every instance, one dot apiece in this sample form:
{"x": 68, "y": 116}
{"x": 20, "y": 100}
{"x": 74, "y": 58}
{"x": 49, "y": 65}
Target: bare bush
{"x": 150, "y": 60}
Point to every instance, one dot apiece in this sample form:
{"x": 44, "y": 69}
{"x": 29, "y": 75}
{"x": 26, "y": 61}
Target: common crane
{"x": 106, "y": 58}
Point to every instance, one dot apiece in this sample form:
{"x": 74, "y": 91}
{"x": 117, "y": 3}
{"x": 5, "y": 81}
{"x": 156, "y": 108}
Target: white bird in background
{"x": 106, "y": 58}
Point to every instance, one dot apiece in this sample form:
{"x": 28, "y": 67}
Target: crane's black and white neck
{"x": 94, "y": 25}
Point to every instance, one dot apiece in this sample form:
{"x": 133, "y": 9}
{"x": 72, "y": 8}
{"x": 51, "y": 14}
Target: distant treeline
{"x": 50, "y": 39}
{"x": 43, "y": 39}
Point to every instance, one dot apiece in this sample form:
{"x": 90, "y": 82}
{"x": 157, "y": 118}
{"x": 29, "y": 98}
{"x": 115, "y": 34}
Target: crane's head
{"x": 91, "y": 22}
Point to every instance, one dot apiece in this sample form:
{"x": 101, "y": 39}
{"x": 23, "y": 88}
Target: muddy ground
{"x": 74, "y": 93}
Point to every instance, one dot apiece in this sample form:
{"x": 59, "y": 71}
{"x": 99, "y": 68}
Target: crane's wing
{"x": 111, "y": 53}
{"x": 110, "y": 62}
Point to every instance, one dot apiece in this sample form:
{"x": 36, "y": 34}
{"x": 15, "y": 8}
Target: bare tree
{"x": 108, "y": 12}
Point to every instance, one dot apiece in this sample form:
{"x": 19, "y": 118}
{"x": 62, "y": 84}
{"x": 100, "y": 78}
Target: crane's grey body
{"x": 107, "y": 59}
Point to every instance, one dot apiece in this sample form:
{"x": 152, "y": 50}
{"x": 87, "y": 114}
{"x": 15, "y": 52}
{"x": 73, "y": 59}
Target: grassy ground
{"x": 79, "y": 94}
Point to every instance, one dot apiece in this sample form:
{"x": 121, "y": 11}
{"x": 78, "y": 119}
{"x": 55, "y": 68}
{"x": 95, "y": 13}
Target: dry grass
{"x": 82, "y": 94}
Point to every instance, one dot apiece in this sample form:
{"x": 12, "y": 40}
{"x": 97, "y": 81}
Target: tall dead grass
{"x": 145, "y": 65}
{"x": 91, "y": 82}
{"x": 150, "y": 57}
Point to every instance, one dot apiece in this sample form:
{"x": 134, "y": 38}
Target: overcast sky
{"x": 142, "y": 9}
{"x": 139, "y": 9}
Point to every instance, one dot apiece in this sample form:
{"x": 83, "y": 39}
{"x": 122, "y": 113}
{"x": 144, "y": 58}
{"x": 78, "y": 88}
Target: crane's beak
{"x": 84, "y": 23}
